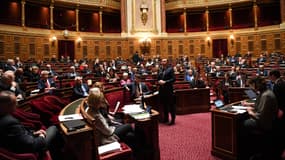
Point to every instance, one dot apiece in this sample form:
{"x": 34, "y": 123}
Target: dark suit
{"x": 42, "y": 84}
{"x": 135, "y": 89}
{"x": 166, "y": 92}
{"x": 78, "y": 91}
{"x": 17, "y": 138}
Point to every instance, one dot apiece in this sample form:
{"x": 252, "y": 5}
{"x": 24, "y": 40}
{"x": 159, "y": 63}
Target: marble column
{"x": 255, "y": 15}
{"x": 163, "y": 18}
{"x": 23, "y": 13}
{"x": 51, "y": 16}
{"x": 231, "y": 17}
{"x": 123, "y": 16}
{"x": 185, "y": 20}
{"x": 282, "y": 10}
{"x": 100, "y": 21}
{"x": 207, "y": 19}
{"x": 77, "y": 19}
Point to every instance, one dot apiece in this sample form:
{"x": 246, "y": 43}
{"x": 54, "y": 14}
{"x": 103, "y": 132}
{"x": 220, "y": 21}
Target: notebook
{"x": 251, "y": 94}
{"x": 73, "y": 125}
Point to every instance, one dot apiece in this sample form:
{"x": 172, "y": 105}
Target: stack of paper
{"x": 139, "y": 116}
{"x": 132, "y": 108}
{"x": 107, "y": 148}
{"x": 69, "y": 117}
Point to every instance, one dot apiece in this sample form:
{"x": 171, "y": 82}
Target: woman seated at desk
{"x": 108, "y": 130}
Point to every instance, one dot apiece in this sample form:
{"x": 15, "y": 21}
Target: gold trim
{"x": 153, "y": 29}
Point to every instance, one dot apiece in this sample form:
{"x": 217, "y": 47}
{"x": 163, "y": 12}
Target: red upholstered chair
{"x": 8, "y": 155}
{"x": 48, "y": 112}
{"x": 55, "y": 100}
{"x": 28, "y": 119}
{"x": 113, "y": 96}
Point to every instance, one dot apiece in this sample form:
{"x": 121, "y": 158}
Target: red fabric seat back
{"x": 125, "y": 153}
{"x": 8, "y": 155}
{"x": 113, "y": 97}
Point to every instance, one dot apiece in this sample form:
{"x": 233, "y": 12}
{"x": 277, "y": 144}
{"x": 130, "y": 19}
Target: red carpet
{"x": 189, "y": 139}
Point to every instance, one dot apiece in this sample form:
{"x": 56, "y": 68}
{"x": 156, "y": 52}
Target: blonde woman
{"x": 107, "y": 130}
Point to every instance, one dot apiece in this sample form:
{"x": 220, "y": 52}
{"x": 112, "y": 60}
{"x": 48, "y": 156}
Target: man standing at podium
{"x": 166, "y": 78}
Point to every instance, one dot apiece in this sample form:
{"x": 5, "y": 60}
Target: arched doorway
{"x": 66, "y": 48}
{"x": 220, "y": 46}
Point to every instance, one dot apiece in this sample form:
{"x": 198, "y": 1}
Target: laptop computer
{"x": 250, "y": 94}
{"x": 73, "y": 125}
{"x": 221, "y": 106}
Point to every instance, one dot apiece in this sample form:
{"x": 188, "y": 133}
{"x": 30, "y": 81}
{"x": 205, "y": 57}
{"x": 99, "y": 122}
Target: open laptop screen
{"x": 219, "y": 103}
{"x": 250, "y": 93}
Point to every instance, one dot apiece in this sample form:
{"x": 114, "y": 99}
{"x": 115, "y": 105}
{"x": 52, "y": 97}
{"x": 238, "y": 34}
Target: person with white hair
{"x": 126, "y": 81}
{"x": 72, "y": 73}
{"x": 7, "y": 83}
{"x": 46, "y": 84}
{"x": 80, "y": 89}
{"x": 10, "y": 65}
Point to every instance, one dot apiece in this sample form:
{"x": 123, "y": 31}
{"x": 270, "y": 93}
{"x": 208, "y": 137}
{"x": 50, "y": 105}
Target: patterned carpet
{"x": 188, "y": 139}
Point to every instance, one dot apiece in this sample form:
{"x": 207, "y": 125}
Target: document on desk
{"x": 132, "y": 108}
{"x": 139, "y": 116}
{"x": 69, "y": 117}
{"x": 239, "y": 107}
{"x": 107, "y": 148}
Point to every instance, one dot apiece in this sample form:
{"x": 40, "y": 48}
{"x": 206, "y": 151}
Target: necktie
{"x": 47, "y": 84}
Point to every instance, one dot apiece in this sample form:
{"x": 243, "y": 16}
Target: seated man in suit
{"x": 80, "y": 89}
{"x": 198, "y": 82}
{"x": 7, "y": 83}
{"x": 139, "y": 88}
{"x": 46, "y": 84}
{"x": 16, "y": 138}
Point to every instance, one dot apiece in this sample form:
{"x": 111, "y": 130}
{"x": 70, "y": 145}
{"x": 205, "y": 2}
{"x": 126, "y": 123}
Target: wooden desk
{"x": 227, "y": 142}
{"x": 192, "y": 100}
{"x": 79, "y": 143}
{"x": 149, "y": 127}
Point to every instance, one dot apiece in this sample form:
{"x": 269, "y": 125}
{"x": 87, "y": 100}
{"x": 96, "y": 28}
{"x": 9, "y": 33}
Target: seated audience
{"x": 72, "y": 73}
{"x": 189, "y": 75}
{"x": 80, "y": 89}
{"x": 125, "y": 81}
{"x": 224, "y": 87}
{"x": 51, "y": 71}
{"x": 7, "y": 83}
{"x": 10, "y": 65}
{"x": 46, "y": 84}
{"x": 34, "y": 75}
{"x": 111, "y": 76}
{"x": 219, "y": 73}
{"x": 261, "y": 71}
{"x": 19, "y": 139}
{"x": 198, "y": 82}
{"x": 139, "y": 88}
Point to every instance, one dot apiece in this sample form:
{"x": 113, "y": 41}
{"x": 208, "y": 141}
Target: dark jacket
{"x": 78, "y": 92}
{"x": 42, "y": 84}
{"x": 168, "y": 76}
{"x": 15, "y": 137}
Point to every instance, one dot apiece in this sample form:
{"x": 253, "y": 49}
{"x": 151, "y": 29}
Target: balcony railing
{"x": 199, "y": 3}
